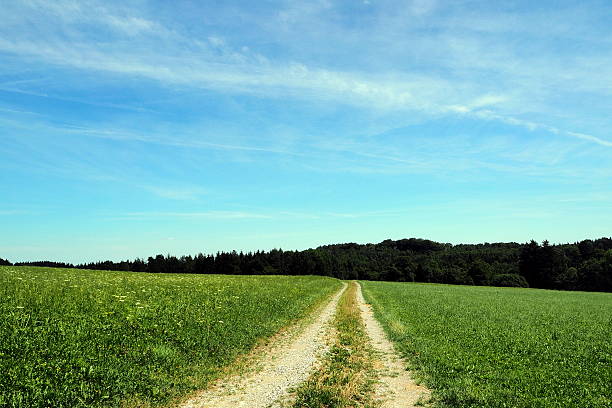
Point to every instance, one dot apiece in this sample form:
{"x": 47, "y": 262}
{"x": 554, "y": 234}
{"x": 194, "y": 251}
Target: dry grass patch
{"x": 347, "y": 375}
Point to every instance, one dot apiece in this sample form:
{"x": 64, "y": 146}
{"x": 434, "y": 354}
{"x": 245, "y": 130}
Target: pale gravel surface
{"x": 396, "y": 388}
{"x": 286, "y": 365}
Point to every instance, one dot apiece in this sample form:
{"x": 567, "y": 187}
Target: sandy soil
{"x": 287, "y": 363}
{"x": 396, "y": 389}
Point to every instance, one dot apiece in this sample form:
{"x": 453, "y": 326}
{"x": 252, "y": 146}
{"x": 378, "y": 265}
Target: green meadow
{"x": 501, "y": 347}
{"x": 71, "y": 338}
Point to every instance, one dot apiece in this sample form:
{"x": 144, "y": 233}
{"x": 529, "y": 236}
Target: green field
{"x": 501, "y": 347}
{"x": 72, "y": 338}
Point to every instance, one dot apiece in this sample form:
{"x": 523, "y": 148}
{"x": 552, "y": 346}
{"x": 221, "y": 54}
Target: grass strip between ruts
{"x": 347, "y": 376}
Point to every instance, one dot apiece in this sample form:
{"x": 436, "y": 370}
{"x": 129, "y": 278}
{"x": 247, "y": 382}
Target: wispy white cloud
{"x": 212, "y": 62}
{"x": 84, "y": 101}
{"x": 91, "y": 12}
{"x": 590, "y": 138}
{"x": 591, "y": 198}
{"x": 18, "y": 111}
{"x": 239, "y": 215}
{"x": 29, "y": 211}
{"x": 367, "y": 214}
{"x": 13, "y": 212}
{"x": 302, "y": 116}
{"x": 489, "y": 115}
{"x": 408, "y": 153}
{"x": 513, "y": 82}
{"x": 176, "y": 193}
{"x": 219, "y": 215}
{"x": 294, "y": 80}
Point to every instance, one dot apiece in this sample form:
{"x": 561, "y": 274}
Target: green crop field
{"x": 501, "y": 347}
{"x": 72, "y": 338}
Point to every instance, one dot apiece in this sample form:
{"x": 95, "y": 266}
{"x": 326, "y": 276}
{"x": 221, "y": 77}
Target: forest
{"x": 584, "y": 265}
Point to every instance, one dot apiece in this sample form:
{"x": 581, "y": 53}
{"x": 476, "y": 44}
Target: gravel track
{"x": 396, "y": 388}
{"x": 287, "y": 363}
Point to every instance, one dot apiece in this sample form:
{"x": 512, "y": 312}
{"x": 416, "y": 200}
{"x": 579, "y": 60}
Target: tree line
{"x": 584, "y": 265}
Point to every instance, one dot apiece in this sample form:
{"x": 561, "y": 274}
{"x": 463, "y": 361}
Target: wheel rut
{"x": 287, "y": 363}
{"x": 396, "y": 388}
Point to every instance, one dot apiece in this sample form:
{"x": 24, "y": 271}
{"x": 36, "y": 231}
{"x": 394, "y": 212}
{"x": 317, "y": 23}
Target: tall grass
{"x": 502, "y": 347}
{"x": 71, "y": 338}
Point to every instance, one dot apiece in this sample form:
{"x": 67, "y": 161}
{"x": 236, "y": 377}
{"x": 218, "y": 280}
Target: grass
{"x": 74, "y": 338}
{"x": 347, "y": 374}
{"x": 501, "y": 347}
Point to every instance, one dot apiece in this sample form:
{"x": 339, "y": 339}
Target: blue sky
{"x": 130, "y": 128}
